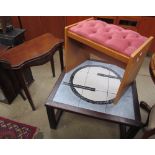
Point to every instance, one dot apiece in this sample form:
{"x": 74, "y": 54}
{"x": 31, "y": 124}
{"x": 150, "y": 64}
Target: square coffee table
{"x": 89, "y": 89}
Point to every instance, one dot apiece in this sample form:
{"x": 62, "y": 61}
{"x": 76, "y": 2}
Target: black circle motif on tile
{"x": 74, "y": 86}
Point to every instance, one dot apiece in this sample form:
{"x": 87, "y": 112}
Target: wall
{"x": 37, "y": 25}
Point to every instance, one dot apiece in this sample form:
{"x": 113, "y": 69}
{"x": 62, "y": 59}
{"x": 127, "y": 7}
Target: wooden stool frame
{"x": 79, "y": 48}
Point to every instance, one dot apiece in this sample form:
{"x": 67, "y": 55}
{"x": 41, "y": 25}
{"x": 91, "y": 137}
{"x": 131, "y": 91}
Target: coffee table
{"x": 66, "y": 98}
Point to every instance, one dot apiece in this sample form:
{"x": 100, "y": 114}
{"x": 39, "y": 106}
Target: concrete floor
{"x": 71, "y": 125}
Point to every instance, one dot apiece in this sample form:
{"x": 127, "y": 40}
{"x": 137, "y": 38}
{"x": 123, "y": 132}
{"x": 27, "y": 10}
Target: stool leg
{"x": 52, "y": 66}
{"x": 25, "y": 88}
{"x": 61, "y": 57}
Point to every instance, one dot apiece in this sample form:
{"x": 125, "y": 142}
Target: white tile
{"x": 94, "y": 107}
{"x": 66, "y": 96}
{"x": 67, "y": 77}
{"x": 100, "y": 83}
{"x": 128, "y": 92}
{"x": 124, "y": 108}
{"x": 81, "y": 76}
{"x": 113, "y": 74}
{"x": 117, "y": 69}
{"x": 113, "y": 85}
{"x": 79, "y": 90}
{"x": 95, "y": 95}
{"x": 110, "y": 96}
{"x": 68, "y": 74}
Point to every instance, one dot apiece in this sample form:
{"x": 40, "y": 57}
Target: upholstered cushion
{"x": 109, "y": 35}
{"x": 151, "y": 123}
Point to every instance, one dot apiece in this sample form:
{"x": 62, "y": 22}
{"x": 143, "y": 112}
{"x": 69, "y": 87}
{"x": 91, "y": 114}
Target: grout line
{"x": 84, "y": 85}
{"x": 107, "y": 91}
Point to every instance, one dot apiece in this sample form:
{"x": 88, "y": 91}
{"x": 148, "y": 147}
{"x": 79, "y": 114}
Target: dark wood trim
{"x": 122, "y": 131}
{"x": 51, "y": 117}
{"x": 58, "y": 115}
{"x": 61, "y": 57}
{"x": 52, "y": 66}
{"x": 98, "y": 115}
{"x": 136, "y": 102}
{"x": 132, "y": 131}
{"x": 36, "y": 61}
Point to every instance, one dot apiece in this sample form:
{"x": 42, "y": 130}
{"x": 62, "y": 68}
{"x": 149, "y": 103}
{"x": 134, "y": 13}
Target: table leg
{"x": 132, "y": 131}
{"x": 122, "y": 131}
{"x": 53, "y": 117}
{"x": 25, "y": 88}
{"x": 61, "y": 57}
{"x": 52, "y": 66}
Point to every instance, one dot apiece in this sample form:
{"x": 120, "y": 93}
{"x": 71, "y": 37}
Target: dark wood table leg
{"x": 128, "y": 134}
{"x": 122, "y": 131}
{"x": 53, "y": 116}
{"x": 25, "y": 88}
{"x": 132, "y": 131}
{"x": 53, "y": 66}
{"x": 61, "y": 57}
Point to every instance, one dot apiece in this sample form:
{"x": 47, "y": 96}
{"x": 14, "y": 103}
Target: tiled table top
{"x": 106, "y": 86}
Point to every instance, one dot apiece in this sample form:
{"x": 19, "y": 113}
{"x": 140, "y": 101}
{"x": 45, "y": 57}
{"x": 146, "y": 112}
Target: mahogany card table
{"x": 32, "y": 53}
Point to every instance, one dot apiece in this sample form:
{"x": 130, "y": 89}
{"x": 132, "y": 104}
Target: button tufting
{"x": 80, "y": 26}
{"x": 94, "y": 31}
{"x": 115, "y": 37}
{"x": 91, "y": 24}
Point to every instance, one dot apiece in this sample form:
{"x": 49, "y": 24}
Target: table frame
{"x": 55, "y": 110}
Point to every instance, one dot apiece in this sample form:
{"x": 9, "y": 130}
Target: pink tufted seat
{"x": 109, "y": 35}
